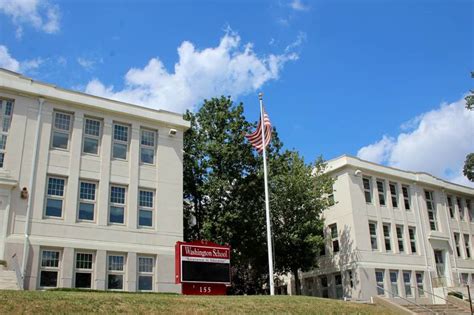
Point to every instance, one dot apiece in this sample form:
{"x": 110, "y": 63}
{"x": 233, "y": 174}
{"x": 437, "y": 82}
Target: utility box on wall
{"x": 202, "y": 267}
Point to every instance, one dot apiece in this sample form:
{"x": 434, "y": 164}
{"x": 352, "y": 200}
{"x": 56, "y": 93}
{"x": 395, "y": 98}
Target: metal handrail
{"x": 16, "y": 268}
{"x": 432, "y": 294}
{"x": 418, "y": 305}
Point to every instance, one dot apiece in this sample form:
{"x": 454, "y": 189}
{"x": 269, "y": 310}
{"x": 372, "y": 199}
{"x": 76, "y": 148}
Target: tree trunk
{"x": 297, "y": 282}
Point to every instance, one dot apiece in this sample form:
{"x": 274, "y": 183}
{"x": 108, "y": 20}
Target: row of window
{"x": 84, "y": 270}
{"x": 92, "y": 134}
{"x": 6, "y": 111}
{"x": 393, "y": 289}
{"x": 394, "y": 189}
{"x": 461, "y": 213}
{"x": 87, "y": 203}
{"x": 467, "y": 245}
{"x": 388, "y": 241}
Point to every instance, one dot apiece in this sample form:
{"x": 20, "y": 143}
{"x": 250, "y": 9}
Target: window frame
{"x": 452, "y": 210}
{"x": 94, "y": 137}
{"x": 146, "y": 273}
{"x": 387, "y": 237}
{"x": 339, "y": 289}
{"x": 420, "y": 283}
{"x": 143, "y": 146}
{"x": 54, "y": 197}
{"x": 406, "y": 198}
{"x": 334, "y": 238}
{"x": 400, "y": 238}
{"x": 56, "y": 269}
{"x": 429, "y": 198}
{"x": 457, "y": 244}
{"x": 412, "y": 239}
{"x": 467, "y": 246}
{"x": 117, "y": 205}
{"x": 373, "y": 237}
{"x": 394, "y": 284}
{"x": 121, "y": 142}
{"x": 87, "y": 201}
{"x": 63, "y": 131}
{"x": 462, "y": 213}
{"x": 121, "y": 273}
{"x": 379, "y": 290}
{"x": 84, "y": 270}
{"x": 381, "y": 194}
{"x": 393, "y": 194}
{"x": 407, "y": 285}
{"x": 367, "y": 190}
{"x": 324, "y": 287}
{"x": 146, "y": 208}
{"x": 3, "y": 119}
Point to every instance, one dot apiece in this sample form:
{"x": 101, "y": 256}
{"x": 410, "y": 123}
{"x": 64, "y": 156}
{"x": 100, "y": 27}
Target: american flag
{"x": 255, "y": 138}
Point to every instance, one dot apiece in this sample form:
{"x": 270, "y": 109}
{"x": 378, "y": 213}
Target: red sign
{"x": 202, "y": 267}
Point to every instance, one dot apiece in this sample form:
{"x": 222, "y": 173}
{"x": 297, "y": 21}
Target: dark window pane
{"x": 145, "y": 283}
{"x": 145, "y": 218}
{"x": 91, "y": 145}
{"x": 86, "y": 211}
{"x": 60, "y": 140}
{"x": 115, "y": 282}
{"x": 83, "y": 280}
{"x": 49, "y": 279}
{"x": 116, "y": 214}
{"x": 147, "y": 155}
{"x": 120, "y": 151}
{"x": 54, "y": 207}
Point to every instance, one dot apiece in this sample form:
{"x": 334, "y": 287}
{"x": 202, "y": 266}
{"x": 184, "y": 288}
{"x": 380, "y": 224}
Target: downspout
{"x": 417, "y": 204}
{"x": 30, "y": 195}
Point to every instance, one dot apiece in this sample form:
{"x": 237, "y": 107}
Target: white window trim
{"x": 418, "y": 284}
{"x": 56, "y": 269}
{"x": 68, "y": 132}
{"x": 413, "y": 240}
{"x": 142, "y": 273}
{"x": 62, "y": 198}
{"x": 381, "y": 193}
{"x": 374, "y": 236}
{"x": 368, "y": 190}
{"x": 152, "y": 209}
{"x": 3, "y": 116}
{"x": 98, "y": 138}
{"x": 93, "y": 202}
{"x": 467, "y": 246}
{"x": 116, "y": 272}
{"x": 406, "y": 198}
{"x": 155, "y": 134}
{"x": 400, "y": 238}
{"x": 409, "y": 284}
{"x": 336, "y": 238}
{"x": 114, "y": 204}
{"x": 81, "y": 270}
{"x": 430, "y": 200}
{"x": 387, "y": 237}
{"x": 127, "y": 143}
{"x": 392, "y": 195}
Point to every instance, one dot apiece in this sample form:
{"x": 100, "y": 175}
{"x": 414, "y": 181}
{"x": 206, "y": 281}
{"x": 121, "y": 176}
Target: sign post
{"x": 202, "y": 267}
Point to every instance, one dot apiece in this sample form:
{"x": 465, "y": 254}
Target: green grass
{"x": 67, "y": 302}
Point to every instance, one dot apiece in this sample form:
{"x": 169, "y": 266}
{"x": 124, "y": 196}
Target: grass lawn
{"x": 37, "y": 302}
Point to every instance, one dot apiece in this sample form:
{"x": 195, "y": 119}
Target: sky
{"x": 382, "y": 80}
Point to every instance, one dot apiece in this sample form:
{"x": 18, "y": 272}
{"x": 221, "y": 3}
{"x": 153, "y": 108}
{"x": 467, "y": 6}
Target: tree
{"x": 469, "y": 167}
{"x": 470, "y": 98}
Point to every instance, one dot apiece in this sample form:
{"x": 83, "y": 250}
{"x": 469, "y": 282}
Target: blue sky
{"x": 365, "y": 78}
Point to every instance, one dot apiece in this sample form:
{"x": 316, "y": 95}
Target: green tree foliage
{"x": 470, "y": 98}
{"x": 224, "y": 196}
{"x": 469, "y": 167}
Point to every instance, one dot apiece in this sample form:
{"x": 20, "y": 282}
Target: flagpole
{"x": 267, "y": 202}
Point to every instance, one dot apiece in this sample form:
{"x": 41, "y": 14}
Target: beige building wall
{"x": 68, "y": 235}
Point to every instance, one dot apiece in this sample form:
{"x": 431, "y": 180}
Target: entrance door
{"x": 440, "y": 266}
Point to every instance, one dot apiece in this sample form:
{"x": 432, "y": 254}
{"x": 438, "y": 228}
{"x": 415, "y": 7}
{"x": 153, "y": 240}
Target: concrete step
{"x": 450, "y": 309}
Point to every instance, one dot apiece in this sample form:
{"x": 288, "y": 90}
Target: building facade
{"x": 90, "y": 189}
{"x": 398, "y": 234}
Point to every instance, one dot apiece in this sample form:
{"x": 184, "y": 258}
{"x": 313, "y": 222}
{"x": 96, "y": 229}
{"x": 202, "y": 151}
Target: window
{"x": 120, "y": 142}
{"x": 6, "y": 113}
{"x": 394, "y": 194}
{"x": 379, "y": 277}
{"x": 145, "y": 211}
{"x": 61, "y": 130}
{"x": 49, "y": 268}
{"x": 83, "y": 270}
{"x": 92, "y": 132}
{"x": 464, "y": 278}
{"x": 350, "y": 276}
{"x": 117, "y": 205}
{"x": 470, "y": 209}
{"x": 467, "y": 244}
{"x": 451, "y": 207}
{"x": 431, "y": 210}
{"x": 367, "y": 190}
{"x": 145, "y": 273}
{"x": 411, "y": 232}
{"x": 420, "y": 283}
{"x": 458, "y": 245}
{"x": 386, "y": 236}
{"x": 87, "y": 192}
{"x": 373, "y": 235}
{"x": 406, "y": 197}
{"x": 334, "y": 238}
{"x": 147, "y": 146}
{"x": 407, "y": 283}
{"x": 338, "y": 283}
{"x": 401, "y": 247}
{"x": 381, "y": 192}
{"x": 394, "y": 283}
{"x": 116, "y": 271}
{"x": 462, "y": 215}
{"x": 324, "y": 286}
{"x": 55, "y": 197}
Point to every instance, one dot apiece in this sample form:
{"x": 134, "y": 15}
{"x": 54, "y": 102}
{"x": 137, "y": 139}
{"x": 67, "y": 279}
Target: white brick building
{"x": 101, "y": 205}
{"x": 409, "y": 233}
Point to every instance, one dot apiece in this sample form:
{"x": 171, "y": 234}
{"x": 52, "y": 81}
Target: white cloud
{"x": 298, "y": 5}
{"x": 230, "y": 68}
{"x": 437, "y": 143}
{"x": 88, "y": 64}
{"x": 10, "y": 63}
{"x": 40, "y": 14}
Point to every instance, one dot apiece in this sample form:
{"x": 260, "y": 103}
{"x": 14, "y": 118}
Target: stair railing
{"x": 407, "y": 300}
{"x": 16, "y": 268}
